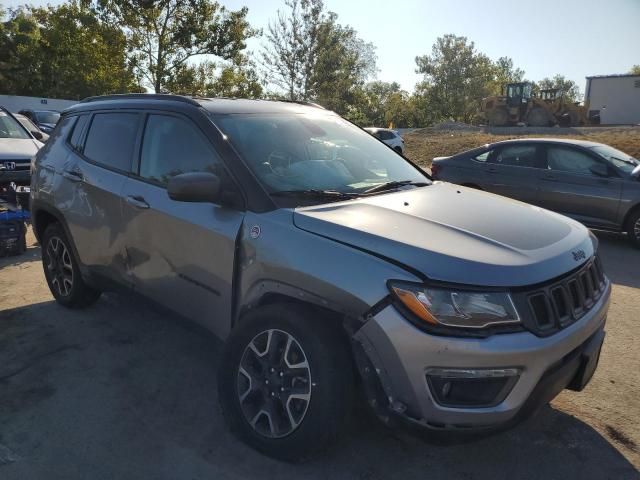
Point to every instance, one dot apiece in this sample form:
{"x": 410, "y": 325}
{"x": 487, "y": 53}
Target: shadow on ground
{"x": 130, "y": 392}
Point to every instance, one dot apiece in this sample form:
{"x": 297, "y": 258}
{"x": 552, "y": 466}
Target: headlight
{"x": 461, "y": 308}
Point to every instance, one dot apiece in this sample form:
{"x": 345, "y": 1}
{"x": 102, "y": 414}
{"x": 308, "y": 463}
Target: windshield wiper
{"x": 394, "y": 184}
{"x": 312, "y": 192}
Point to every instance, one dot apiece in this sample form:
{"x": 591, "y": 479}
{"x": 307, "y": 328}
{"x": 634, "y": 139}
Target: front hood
{"x": 455, "y": 234}
{"x": 16, "y": 148}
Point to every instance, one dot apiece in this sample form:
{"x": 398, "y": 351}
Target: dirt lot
{"x": 123, "y": 391}
{"x": 426, "y": 143}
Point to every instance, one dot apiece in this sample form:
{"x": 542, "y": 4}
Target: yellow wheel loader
{"x": 518, "y": 105}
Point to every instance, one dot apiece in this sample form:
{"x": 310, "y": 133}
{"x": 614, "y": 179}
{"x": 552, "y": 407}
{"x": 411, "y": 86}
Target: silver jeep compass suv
{"x": 324, "y": 260}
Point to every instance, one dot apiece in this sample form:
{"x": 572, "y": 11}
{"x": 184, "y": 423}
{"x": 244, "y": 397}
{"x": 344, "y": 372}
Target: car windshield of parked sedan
{"x": 47, "y": 117}
{"x": 9, "y": 128}
{"x": 620, "y": 159}
{"x": 315, "y": 152}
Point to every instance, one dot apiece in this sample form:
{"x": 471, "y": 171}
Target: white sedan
{"x": 388, "y": 136}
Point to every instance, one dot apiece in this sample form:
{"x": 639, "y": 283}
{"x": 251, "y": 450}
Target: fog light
{"x": 471, "y": 388}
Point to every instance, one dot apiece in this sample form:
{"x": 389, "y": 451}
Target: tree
{"x": 207, "y": 79}
{"x": 568, "y": 89}
{"x": 635, "y": 70}
{"x": 63, "y": 52}
{"x": 343, "y": 62}
{"x": 308, "y": 55}
{"x": 505, "y": 73}
{"x": 456, "y": 78}
{"x": 289, "y": 53}
{"x": 164, "y": 35}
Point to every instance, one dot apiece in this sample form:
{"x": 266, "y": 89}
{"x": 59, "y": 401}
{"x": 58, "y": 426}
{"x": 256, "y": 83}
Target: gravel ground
{"x": 125, "y": 391}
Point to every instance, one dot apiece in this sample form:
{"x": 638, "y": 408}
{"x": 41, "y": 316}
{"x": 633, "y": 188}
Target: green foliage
{"x": 62, "y": 52}
{"x": 505, "y": 73}
{"x": 567, "y": 88}
{"x": 456, "y": 78}
{"x": 382, "y": 104}
{"x": 207, "y": 79}
{"x": 163, "y": 35}
{"x": 308, "y": 55}
{"x": 635, "y": 70}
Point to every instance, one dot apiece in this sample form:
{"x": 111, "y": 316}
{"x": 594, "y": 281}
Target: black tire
{"x": 538, "y": 117}
{"x": 633, "y": 228}
{"x": 330, "y": 382}
{"x": 62, "y": 272}
{"x": 498, "y": 117}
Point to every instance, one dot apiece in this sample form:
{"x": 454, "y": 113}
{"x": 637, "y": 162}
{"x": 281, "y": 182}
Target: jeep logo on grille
{"x": 10, "y": 165}
{"x": 578, "y": 255}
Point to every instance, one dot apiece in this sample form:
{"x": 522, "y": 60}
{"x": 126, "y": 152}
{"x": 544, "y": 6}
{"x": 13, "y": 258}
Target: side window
{"x": 569, "y": 160}
{"x": 171, "y": 146}
{"x": 385, "y": 135}
{"x": 517, "y": 156}
{"x": 483, "y": 157}
{"x": 78, "y": 128}
{"x": 111, "y": 138}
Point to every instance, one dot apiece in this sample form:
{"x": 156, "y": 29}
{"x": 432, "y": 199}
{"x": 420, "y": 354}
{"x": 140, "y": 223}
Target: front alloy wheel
{"x": 274, "y": 383}
{"x": 285, "y": 380}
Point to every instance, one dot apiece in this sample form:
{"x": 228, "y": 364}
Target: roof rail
{"x": 299, "y": 102}
{"x": 141, "y": 96}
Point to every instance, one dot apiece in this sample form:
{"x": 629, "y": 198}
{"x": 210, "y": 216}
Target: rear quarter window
{"x": 76, "y": 135}
{"x": 111, "y": 138}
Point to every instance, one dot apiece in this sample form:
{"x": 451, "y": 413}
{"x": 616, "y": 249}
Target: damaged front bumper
{"x": 451, "y": 384}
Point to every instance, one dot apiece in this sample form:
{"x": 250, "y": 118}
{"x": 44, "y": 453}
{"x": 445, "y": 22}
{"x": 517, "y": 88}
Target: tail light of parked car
{"x": 435, "y": 170}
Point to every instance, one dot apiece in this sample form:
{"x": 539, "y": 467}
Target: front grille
{"x": 561, "y": 303}
{"x": 20, "y": 164}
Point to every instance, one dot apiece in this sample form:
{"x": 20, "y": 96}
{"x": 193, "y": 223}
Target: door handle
{"x": 549, "y": 177}
{"x": 73, "y": 175}
{"x": 137, "y": 201}
{"x": 492, "y": 170}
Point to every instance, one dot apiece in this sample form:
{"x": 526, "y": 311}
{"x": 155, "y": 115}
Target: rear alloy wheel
{"x": 61, "y": 270}
{"x": 58, "y": 264}
{"x": 286, "y": 381}
{"x": 633, "y": 229}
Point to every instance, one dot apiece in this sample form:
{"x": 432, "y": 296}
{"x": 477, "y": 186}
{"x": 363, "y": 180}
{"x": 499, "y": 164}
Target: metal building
{"x": 15, "y": 103}
{"x": 616, "y": 98}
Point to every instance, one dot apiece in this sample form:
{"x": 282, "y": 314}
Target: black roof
{"x": 214, "y": 105}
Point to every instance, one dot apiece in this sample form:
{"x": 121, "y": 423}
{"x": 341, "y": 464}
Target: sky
{"x": 576, "y": 38}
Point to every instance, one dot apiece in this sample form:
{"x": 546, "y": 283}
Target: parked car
{"x": 590, "y": 182}
{"x": 318, "y": 255}
{"x": 388, "y": 136}
{"x": 45, "y": 119}
{"x": 17, "y": 147}
{"x": 32, "y": 127}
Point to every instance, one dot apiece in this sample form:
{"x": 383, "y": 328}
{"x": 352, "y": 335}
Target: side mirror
{"x": 600, "y": 169}
{"x": 194, "y": 187}
{"x": 37, "y": 134}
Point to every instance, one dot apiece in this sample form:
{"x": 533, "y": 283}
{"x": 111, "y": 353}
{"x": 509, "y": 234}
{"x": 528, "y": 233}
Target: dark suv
{"x": 320, "y": 256}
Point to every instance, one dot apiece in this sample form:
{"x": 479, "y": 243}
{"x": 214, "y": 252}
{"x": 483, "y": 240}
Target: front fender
{"x": 275, "y": 257}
